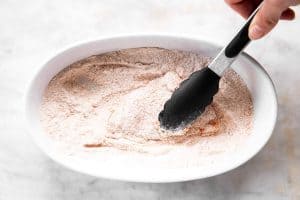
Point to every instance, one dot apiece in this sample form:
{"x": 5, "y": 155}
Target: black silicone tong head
{"x": 195, "y": 93}
{"x": 190, "y": 99}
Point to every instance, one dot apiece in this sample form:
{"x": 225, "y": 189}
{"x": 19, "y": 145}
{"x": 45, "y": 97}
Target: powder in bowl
{"x": 110, "y": 102}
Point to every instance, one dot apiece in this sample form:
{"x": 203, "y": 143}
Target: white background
{"x": 33, "y": 30}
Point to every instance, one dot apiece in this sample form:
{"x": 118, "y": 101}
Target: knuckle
{"x": 270, "y": 21}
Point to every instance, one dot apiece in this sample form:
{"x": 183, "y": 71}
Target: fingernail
{"x": 256, "y": 32}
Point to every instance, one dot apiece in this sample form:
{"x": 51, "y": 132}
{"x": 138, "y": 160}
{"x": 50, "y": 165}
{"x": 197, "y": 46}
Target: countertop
{"x": 33, "y": 30}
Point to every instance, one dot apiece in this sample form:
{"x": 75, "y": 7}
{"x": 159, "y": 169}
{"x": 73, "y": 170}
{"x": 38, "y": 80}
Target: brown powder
{"x": 112, "y": 100}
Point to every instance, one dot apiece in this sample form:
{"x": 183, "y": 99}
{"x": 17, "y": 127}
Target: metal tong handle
{"x": 230, "y": 52}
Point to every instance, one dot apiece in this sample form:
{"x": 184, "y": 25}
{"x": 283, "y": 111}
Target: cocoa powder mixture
{"x": 111, "y": 101}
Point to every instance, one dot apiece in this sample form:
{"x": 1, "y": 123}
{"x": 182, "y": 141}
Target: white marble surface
{"x": 32, "y": 30}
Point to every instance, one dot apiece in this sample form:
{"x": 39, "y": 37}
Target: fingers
{"x": 269, "y": 15}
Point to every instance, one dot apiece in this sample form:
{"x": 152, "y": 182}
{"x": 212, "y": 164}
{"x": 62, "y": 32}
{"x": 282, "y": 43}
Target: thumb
{"x": 266, "y": 18}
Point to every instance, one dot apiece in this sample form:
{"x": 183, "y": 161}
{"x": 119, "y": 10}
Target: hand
{"x": 268, "y": 15}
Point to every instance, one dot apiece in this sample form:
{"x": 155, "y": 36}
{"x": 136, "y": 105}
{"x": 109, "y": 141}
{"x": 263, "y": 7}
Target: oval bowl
{"x": 258, "y": 82}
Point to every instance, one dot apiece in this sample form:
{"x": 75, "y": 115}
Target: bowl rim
{"x": 29, "y": 86}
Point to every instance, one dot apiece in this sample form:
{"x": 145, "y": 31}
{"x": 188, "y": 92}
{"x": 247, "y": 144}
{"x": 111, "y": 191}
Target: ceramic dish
{"x": 256, "y": 78}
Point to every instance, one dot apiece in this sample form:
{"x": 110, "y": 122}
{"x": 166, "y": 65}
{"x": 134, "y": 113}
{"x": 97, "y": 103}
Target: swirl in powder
{"x": 112, "y": 100}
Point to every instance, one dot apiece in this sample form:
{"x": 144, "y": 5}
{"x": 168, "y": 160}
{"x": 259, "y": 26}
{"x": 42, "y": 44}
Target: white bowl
{"x": 256, "y": 78}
